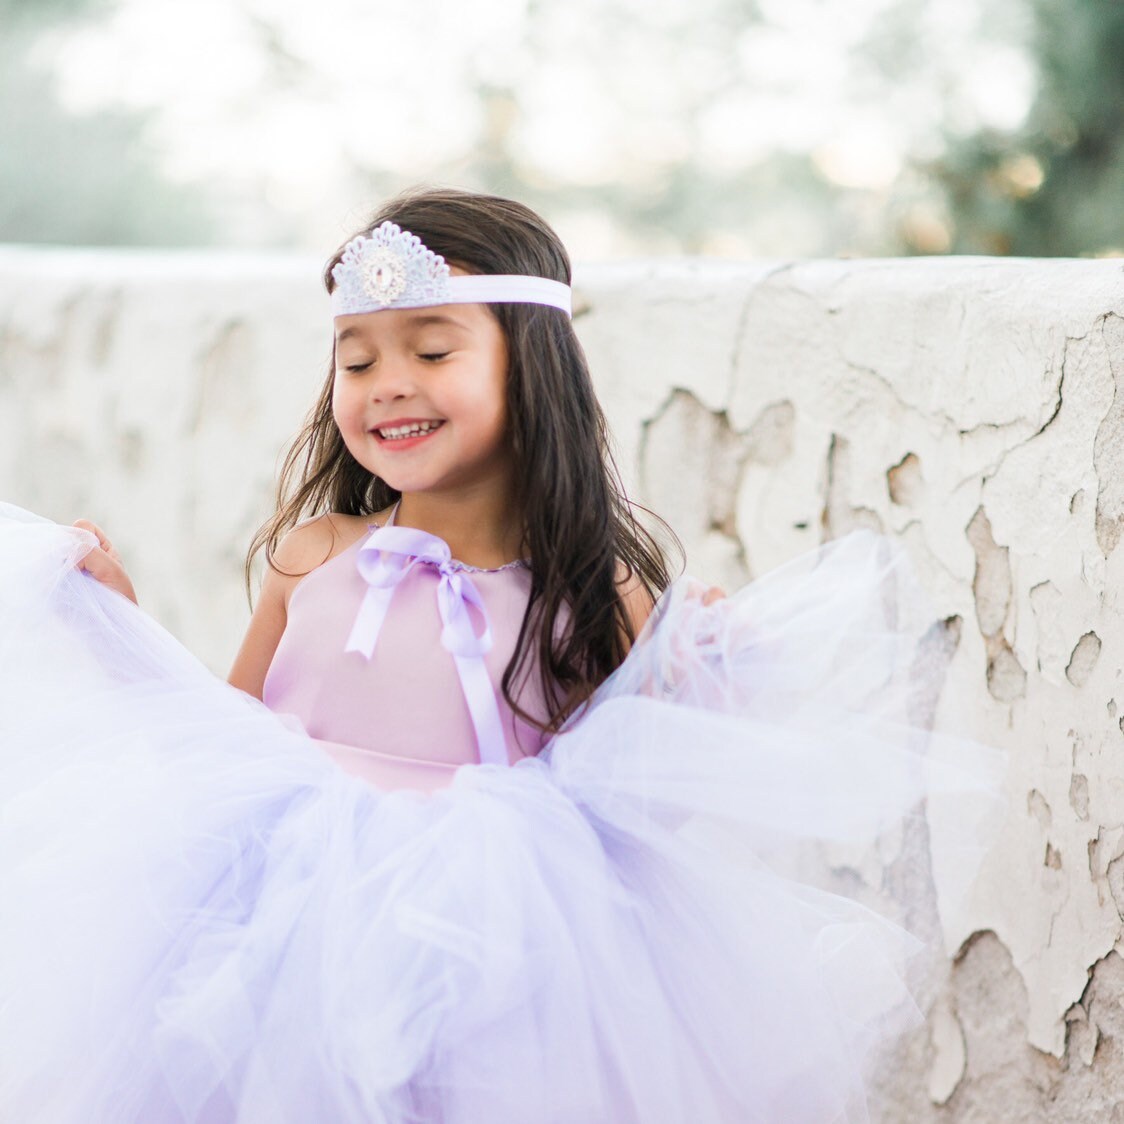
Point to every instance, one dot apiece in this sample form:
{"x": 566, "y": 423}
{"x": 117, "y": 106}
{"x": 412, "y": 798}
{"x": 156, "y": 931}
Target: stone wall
{"x": 969, "y": 407}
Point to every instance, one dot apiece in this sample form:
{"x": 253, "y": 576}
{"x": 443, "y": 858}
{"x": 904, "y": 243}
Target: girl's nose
{"x": 391, "y": 380}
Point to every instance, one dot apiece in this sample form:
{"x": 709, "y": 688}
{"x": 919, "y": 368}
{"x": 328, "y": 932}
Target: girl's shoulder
{"x": 635, "y": 597}
{"x": 318, "y": 540}
{"x": 304, "y": 549}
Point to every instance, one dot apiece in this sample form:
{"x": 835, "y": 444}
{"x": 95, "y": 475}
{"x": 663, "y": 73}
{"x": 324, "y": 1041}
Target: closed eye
{"x": 434, "y": 356}
{"x": 355, "y": 368}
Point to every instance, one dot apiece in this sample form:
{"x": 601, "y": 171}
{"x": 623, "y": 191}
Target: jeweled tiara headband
{"x": 391, "y": 268}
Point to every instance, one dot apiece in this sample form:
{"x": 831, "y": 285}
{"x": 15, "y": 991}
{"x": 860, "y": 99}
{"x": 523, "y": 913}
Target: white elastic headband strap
{"x": 504, "y": 288}
{"x": 391, "y": 268}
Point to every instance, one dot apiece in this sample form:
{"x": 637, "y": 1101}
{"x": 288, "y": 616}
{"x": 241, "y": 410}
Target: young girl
{"x": 502, "y": 842}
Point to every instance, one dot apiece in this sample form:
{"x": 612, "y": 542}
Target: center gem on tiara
{"x": 384, "y": 275}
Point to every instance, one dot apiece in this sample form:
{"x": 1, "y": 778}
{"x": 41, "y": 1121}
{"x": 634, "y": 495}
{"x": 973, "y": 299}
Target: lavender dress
{"x": 401, "y": 717}
{"x": 386, "y": 900}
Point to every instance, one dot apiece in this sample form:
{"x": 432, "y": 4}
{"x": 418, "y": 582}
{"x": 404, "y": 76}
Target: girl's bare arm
{"x": 300, "y": 552}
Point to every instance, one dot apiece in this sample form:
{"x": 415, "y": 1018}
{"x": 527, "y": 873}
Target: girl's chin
{"x": 406, "y": 482}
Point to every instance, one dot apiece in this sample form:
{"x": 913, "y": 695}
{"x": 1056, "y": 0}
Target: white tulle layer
{"x": 205, "y": 920}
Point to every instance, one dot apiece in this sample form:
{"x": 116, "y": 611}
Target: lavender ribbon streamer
{"x": 387, "y": 556}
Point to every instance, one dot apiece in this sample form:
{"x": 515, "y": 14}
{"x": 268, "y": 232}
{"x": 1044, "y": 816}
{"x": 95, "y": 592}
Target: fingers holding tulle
{"x": 101, "y": 536}
{"x": 103, "y": 563}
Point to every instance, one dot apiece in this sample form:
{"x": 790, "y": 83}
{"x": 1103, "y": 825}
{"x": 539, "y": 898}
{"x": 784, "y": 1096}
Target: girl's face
{"x": 420, "y": 399}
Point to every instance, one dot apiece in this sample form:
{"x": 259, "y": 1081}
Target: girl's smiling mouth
{"x": 406, "y": 431}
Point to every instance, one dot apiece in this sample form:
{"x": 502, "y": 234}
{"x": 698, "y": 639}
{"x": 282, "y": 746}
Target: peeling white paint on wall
{"x": 973, "y": 408}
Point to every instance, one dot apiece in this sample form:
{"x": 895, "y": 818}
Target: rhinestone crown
{"x": 392, "y": 268}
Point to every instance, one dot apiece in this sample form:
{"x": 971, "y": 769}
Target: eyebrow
{"x": 415, "y": 322}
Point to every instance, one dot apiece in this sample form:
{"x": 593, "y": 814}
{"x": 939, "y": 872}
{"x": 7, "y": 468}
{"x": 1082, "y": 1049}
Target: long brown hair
{"x": 580, "y": 531}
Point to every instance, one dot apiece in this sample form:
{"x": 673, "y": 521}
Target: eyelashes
{"x": 428, "y": 357}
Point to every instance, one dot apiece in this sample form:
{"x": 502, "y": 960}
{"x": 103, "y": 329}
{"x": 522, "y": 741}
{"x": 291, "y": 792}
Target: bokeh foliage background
{"x": 737, "y": 127}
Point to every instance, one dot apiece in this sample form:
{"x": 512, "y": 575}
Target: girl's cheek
{"x": 339, "y": 405}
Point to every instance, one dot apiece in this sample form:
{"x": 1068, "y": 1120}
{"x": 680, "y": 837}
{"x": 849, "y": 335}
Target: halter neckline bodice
{"x": 408, "y": 698}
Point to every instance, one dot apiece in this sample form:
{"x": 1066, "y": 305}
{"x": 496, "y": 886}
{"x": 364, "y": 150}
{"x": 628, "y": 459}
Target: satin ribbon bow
{"x": 387, "y": 556}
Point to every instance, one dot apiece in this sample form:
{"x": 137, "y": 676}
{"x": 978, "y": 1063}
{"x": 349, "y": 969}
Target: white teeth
{"x": 415, "y": 429}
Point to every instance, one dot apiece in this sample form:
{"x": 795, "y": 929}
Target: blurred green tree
{"x": 79, "y": 180}
{"x": 1054, "y": 186}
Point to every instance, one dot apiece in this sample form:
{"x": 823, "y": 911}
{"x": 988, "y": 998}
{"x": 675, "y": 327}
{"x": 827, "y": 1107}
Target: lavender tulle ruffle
{"x": 205, "y": 920}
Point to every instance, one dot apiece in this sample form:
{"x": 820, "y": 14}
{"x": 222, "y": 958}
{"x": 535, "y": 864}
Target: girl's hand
{"x": 104, "y": 563}
{"x": 713, "y": 594}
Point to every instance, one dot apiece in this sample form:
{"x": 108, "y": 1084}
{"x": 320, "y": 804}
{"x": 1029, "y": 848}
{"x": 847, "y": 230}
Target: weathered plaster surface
{"x": 973, "y": 408}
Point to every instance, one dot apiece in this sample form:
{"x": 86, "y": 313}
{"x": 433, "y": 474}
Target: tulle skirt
{"x": 204, "y": 919}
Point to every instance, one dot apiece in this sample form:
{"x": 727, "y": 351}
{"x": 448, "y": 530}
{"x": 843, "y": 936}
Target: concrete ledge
{"x": 970, "y": 407}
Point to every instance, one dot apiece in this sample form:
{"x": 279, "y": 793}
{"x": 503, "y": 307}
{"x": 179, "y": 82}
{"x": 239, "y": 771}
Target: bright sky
{"x": 362, "y": 86}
